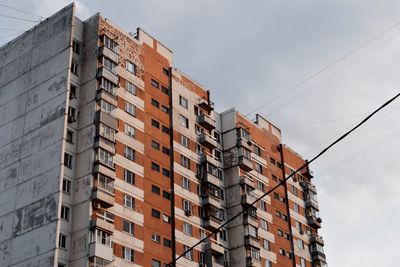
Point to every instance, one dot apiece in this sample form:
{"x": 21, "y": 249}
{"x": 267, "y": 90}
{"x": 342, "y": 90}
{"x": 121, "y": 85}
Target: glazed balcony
{"x": 102, "y": 117}
{"x": 105, "y": 225}
{"x": 212, "y": 200}
{"x": 206, "y": 122}
{"x": 104, "y": 198}
{"x": 314, "y": 221}
{"x": 100, "y": 250}
{"x": 251, "y": 241}
{"x": 107, "y": 52}
{"x": 109, "y": 75}
{"x": 211, "y": 223}
{"x": 208, "y": 141}
{"x": 107, "y": 96}
{"x": 244, "y": 143}
{"x": 248, "y": 199}
{"x": 213, "y": 247}
{"x": 252, "y": 262}
{"x": 208, "y": 158}
{"x": 207, "y": 177}
{"x": 245, "y": 164}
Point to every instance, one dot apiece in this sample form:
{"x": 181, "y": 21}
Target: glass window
{"x": 128, "y": 227}
{"x": 110, "y": 65}
{"x": 129, "y": 202}
{"x": 129, "y": 177}
{"x": 130, "y": 87}
{"x": 106, "y": 157}
{"x": 130, "y": 108}
{"x": 130, "y": 130}
{"x": 183, "y": 102}
{"x": 131, "y": 67}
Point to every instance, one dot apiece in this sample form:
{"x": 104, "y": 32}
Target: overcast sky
{"x": 249, "y": 52}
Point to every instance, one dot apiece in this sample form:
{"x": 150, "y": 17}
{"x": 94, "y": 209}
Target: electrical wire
{"x": 22, "y": 11}
{"x": 325, "y": 68}
{"x": 282, "y": 182}
{"x": 12, "y": 17}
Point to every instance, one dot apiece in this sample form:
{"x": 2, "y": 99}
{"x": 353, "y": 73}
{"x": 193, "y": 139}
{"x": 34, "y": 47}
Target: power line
{"x": 22, "y": 11}
{"x": 335, "y": 73}
{"x": 285, "y": 179}
{"x": 325, "y": 68}
{"x": 12, "y": 17}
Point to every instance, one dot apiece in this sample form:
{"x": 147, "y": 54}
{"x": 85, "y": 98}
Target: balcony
{"x": 102, "y": 117}
{"x": 102, "y": 224}
{"x": 251, "y": 241}
{"x": 206, "y": 122}
{"x": 211, "y": 223}
{"x": 100, "y": 250}
{"x": 206, "y": 157}
{"x": 109, "y": 75}
{"x": 212, "y": 200}
{"x": 245, "y": 164}
{"x": 252, "y": 262}
{"x": 248, "y": 219}
{"x": 318, "y": 256}
{"x": 244, "y": 180}
{"x": 100, "y": 168}
{"x": 207, "y": 106}
{"x": 104, "y": 144}
{"x": 107, "y": 96}
{"x": 312, "y": 203}
{"x": 209, "y": 178}
{"x": 248, "y": 199}
{"x": 314, "y": 222}
{"x": 107, "y": 52}
{"x": 316, "y": 239}
{"x": 244, "y": 143}
{"x": 215, "y": 248}
{"x": 104, "y": 198}
{"x": 208, "y": 141}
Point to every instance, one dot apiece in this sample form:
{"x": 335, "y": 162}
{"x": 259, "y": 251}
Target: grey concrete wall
{"x": 34, "y": 73}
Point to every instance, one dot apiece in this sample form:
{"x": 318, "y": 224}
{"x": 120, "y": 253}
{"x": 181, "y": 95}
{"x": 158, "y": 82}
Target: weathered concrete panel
{"x": 13, "y": 109}
{"x": 13, "y": 89}
{"x": 11, "y": 131}
{"x": 9, "y": 177}
{"x": 15, "y": 49}
{"x": 5, "y": 253}
{"x": 6, "y": 226}
{"x": 44, "y": 260}
{"x": 10, "y": 153}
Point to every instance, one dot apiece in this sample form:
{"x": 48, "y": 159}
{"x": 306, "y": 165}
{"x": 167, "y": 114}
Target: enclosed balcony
{"x": 107, "y": 96}
{"x": 214, "y": 248}
{"x": 251, "y": 241}
{"x": 102, "y": 117}
{"x": 104, "y": 198}
{"x": 244, "y": 143}
{"x": 208, "y": 141}
{"x": 100, "y": 250}
{"x": 245, "y": 163}
{"x": 314, "y": 221}
{"x": 101, "y": 223}
{"x": 207, "y": 177}
{"x": 208, "y": 158}
{"x": 317, "y": 249}
{"x": 103, "y": 72}
{"x": 250, "y": 217}
{"x": 107, "y": 52}
{"x": 206, "y": 105}
{"x": 206, "y": 122}
{"x": 252, "y": 262}
{"x": 211, "y": 223}
{"x": 210, "y": 199}
{"x": 248, "y": 198}
{"x": 245, "y": 180}
{"x": 310, "y": 202}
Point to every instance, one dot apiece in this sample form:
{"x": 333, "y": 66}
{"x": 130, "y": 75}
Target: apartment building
{"x": 110, "y": 156}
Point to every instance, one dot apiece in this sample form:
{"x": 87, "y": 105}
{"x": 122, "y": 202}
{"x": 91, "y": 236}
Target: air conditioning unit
{"x": 188, "y": 212}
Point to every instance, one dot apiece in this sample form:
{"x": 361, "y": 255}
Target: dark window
{"x": 155, "y": 103}
{"x": 72, "y": 91}
{"x": 167, "y": 242}
{"x": 76, "y": 47}
{"x": 165, "y": 172}
{"x": 155, "y": 213}
{"x": 165, "y": 150}
{"x": 155, "y": 189}
{"x": 155, "y": 145}
{"x": 164, "y": 109}
{"x": 129, "y": 177}
{"x": 166, "y": 71}
{"x": 66, "y": 186}
{"x": 166, "y": 195}
{"x": 68, "y": 160}
{"x": 155, "y": 167}
{"x": 155, "y": 84}
{"x": 155, "y": 123}
{"x": 70, "y": 137}
{"x": 165, "y": 129}
{"x": 165, "y": 90}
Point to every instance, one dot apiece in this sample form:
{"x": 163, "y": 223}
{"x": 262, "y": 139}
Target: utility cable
{"x": 325, "y": 68}
{"x": 282, "y": 182}
{"x": 22, "y": 11}
{"x": 12, "y": 17}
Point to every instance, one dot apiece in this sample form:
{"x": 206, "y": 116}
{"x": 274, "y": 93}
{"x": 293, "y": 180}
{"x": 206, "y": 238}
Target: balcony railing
{"x": 206, "y": 122}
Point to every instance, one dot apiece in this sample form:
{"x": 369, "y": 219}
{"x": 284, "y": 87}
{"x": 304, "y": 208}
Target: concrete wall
{"x": 34, "y": 74}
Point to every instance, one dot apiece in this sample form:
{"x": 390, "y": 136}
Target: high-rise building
{"x": 109, "y": 156}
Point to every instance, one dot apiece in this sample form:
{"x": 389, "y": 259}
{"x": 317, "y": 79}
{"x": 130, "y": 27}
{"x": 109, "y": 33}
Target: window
{"x": 187, "y": 206}
{"x": 251, "y": 231}
{"x": 129, "y": 153}
{"x": 165, "y": 150}
{"x": 110, "y": 44}
{"x": 74, "y": 68}
{"x": 296, "y": 207}
{"x": 128, "y": 254}
{"x": 222, "y": 234}
{"x": 155, "y": 84}
{"x": 66, "y": 186}
{"x": 185, "y": 161}
{"x": 155, "y": 103}
{"x": 199, "y": 149}
{"x": 64, "y": 213}
{"x": 131, "y": 67}
{"x": 274, "y": 177}
{"x": 166, "y": 218}
{"x": 260, "y": 186}
{"x": 244, "y": 134}
{"x": 189, "y": 254}
{"x": 280, "y": 232}
{"x": 61, "y": 265}
{"x": 129, "y": 177}
{"x": 184, "y": 121}
{"x": 72, "y": 91}
{"x": 263, "y": 205}
{"x": 107, "y": 132}
{"x": 165, "y": 129}
{"x": 257, "y": 150}
{"x": 107, "y": 107}
{"x": 167, "y": 243}
{"x": 218, "y": 155}
{"x": 155, "y": 123}
{"x": 166, "y": 195}
{"x": 156, "y": 238}
{"x": 266, "y": 245}
{"x": 298, "y": 226}
{"x": 166, "y": 71}
{"x": 108, "y": 86}
{"x": 76, "y": 47}
{"x": 68, "y": 160}
{"x": 264, "y": 224}
{"x": 302, "y": 262}
{"x": 259, "y": 168}
{"x": 155, "y": 263}
{"x": 300, "y": 244}
{"x": 282, "y": 251}
{"x": 165, "y": 90}
{"x": 130, "y": 87}
{"x": 110, "y": 65}
{"x": 155, "y": 213}
{"x": 155, "y": 167}
{"x": 101, "y": 237}
{"x": 130, "y": 108}
{"x": 155, "y": 189}
{"x": 217, "y": 137}
{"x": 165, "y": 172}
{"x": 71, "y": 114}
{"x": 155, "y": 145}
{"x": 164, "y": 109}
{"x": 70, "y": 137}
{"x": 186, "y": 183}
{"x": 187, "y": 229}
{"x": 62, "y": 241}
{"x": 272, "y": 160}
{"x": 255, "y": 253}
{"x": 184, "y": 141}
{"x": 129, "y": 202}
{"x": 183, "y": 102}
{"x": 294, "y": 190}
{"x": 128, "y": 227}
{"x": 130, "y": 130}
